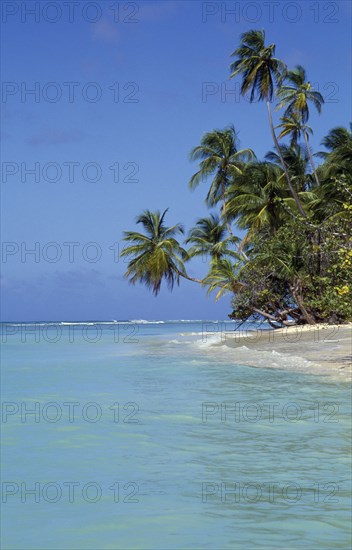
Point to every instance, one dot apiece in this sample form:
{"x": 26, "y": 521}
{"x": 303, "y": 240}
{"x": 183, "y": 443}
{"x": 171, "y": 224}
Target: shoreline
{"x": 327, "y": 348}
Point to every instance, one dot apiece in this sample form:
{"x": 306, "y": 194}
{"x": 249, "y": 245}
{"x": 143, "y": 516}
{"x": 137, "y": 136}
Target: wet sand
{"x": 328, "y": 348}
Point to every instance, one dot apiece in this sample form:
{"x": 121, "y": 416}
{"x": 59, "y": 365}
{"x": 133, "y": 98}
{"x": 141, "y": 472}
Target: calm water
{"x": 147, "y": 437}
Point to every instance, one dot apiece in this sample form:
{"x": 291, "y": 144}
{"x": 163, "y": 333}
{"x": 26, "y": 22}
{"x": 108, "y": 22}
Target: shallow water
{"x": 146, "y": 436}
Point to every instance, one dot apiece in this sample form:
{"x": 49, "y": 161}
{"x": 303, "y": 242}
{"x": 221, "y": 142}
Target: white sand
{"x": 328, "y": 348}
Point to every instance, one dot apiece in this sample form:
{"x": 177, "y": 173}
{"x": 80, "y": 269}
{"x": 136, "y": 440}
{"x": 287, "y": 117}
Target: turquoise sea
{"x": 141, "y": 435}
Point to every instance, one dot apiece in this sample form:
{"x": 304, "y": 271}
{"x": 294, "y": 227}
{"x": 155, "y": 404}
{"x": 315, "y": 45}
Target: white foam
{"x": 208, "y": 340}
{"x": 145, "y": 322}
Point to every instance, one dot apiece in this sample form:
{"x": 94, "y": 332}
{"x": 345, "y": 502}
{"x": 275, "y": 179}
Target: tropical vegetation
{"x": 293, "y": 263}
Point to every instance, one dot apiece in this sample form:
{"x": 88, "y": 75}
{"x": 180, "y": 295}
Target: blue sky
{"x": 121, "y": 96}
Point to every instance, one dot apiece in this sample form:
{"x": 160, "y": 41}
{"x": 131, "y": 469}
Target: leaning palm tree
{"x": 289, "y": 264}
{"x": 261, "y": 71}
{"x": 221, "y": 158}
{"x": 223, "y": 278}
{"x": 295, "y": 96}
{"x": 209, "y": 238}
{"x": 156, "y": 253}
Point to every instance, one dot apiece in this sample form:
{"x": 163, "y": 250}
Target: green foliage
{"x": 209, "y": 240}
{"x": 330, "y": 293}
{"x": 301, "y": 265}
{"x": 256, "y": 63}
{"x": 221, "y": 159}
{"x": 156, "y": 253}
{"x": 294, "y": 264}
{"x": 295, "y": 94}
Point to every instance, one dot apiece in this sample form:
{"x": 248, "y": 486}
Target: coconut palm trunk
{"x": 271, "y": 318}
{"x": 224, "y": 210}
{"x": 228, "y": 226}
{"x": 311, "y": 158}
{"x": 296, "y": 97}
{"x": 277, "y": 147}
{"x": 296, "y": 290}
{"x": 185, "y": 276}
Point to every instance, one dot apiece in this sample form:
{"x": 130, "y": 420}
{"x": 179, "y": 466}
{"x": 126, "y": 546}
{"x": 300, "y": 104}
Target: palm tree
{"x": 290, "y": 264}
{"x": 296, "y": 159}
{"x": 296, "y": 97}
{"x": 156, "y": 253}
{"x": 219, "y": 157}
{"x": 209, "y": 237}
{"x": 339, "y": 143}
{"x": 293, "y": 127}
{"x": 223, "y": 278}
{"x": 261, "y": 71}
{"x": 335, "y": 172}
{"x": 255, "y": 203}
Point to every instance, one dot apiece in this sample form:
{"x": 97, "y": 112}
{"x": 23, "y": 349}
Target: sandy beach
{"x": 327, "y": 348}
